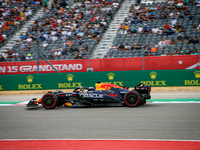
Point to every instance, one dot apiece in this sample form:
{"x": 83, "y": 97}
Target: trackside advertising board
{"x": 157, "y": 78}
{"x": 107, "y": 64}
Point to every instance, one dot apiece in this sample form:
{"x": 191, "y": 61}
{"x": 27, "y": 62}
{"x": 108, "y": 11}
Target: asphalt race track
{"x": 152, "y": 121}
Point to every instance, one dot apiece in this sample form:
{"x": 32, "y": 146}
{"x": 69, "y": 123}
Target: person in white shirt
{"x": 5, "y": 54}
{"x": 161, "y": 44}
{"x": 57, "y": 53}
{"x": 155, "y": 30}
{"x": 29, "y": 57}
{"x": 137, "y": 7}
{"x": 29, "y": 39}
{"x": 115, "y": 4}
{"x": 69, "y": 33}
{"x": 45, "y": 44}
{"x": 59, "y": 21}
{"x": 174, "y": 21}
{"x": 54, "y": 38}
{"x": 53, "y": 32}
{"x": 140, "y": 29}
{"x": 123, "y": 32}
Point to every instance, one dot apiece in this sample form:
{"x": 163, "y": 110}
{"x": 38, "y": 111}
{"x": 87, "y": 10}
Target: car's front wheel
{"x": 49, "y": 101}
{"x": 132, "y": 98}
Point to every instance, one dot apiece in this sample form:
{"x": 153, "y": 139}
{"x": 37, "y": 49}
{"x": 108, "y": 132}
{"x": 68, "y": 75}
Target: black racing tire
{"x": 132, "y": 98}
{"x": 49, "y": 101}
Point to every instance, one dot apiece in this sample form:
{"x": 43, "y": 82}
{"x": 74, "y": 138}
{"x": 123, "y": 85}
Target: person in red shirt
{"x": 167, "y": 26}
{"x": 1, "y": 38}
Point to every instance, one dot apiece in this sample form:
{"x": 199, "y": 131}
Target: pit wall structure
{"x": 71, "y": 80}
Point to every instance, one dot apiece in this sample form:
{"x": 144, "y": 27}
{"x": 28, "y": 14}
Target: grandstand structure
{"x": 102, "y": 29}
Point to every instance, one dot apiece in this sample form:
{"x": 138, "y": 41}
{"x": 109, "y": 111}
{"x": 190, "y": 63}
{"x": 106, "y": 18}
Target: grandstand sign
{"x": 107, "y": 64}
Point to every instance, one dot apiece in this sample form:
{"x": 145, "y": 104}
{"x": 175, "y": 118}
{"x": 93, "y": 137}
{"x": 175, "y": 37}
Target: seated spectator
{"x": 146, "y": 29}
{"x": 181, "y": 51}
{"x": 188, "y": 51}
{"x": 29, "y": 57}
{"x": 167, "y": 42}
{"x": 54, "y": 38}
{"x": 170, "y": 54}
{"x": 190, "y": 17}
{"x": 176, "y": 51}
{"x": 163, "y": 54}
{"x": 140, "y": 29}
{"x": 64, "y": 52}
{"x": 134, "y": 31}
{"x": 173, "y": 42}
{"x": 155, "y": 30}
{"x": 45, "y": 44}
{"x": 1, "y": 38}
{"x": 15, "y": 54}
{"x": 196, "y": 40}
{"x": 167, "y": 26}
{"x": 179, "y": 38}
{"x": 154, "y": 50}
{"x": 191, "y": 41}
{"x": 160, "y": 31}
{"x": 161, "y": 44}
{"x": 75, "y": 49}
{"x": 194, "y": 52}
{"x": 78, "y": 55}
{"x": 126, "y": 47}
{"x": 51, "y": 56}
{"x": 186, "y": 37}
{"x": 121, "y": 47}
{"x": 174, "y": 21}
{"x": 2, "y": 58}
{"x": 123, "y": 32}
{"x": 70, "y": 43}
{"x": 22, "y": 58}
{"x": 132, "y": 47}
{"x": 137, "y": 46}
{"x": 22, "y": 36}
{"x": 9, "y": 54}
{"x": 147, "y": 48}
{"x": 41, "y": 58}
{"x": 57, "y": 53}
{"x": 111, "y": 48}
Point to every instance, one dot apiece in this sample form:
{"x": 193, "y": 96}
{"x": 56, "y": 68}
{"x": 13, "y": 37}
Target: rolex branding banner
{"x": 155, "y": 78}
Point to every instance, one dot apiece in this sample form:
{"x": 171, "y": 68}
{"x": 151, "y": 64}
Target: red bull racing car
{"x": 105, "y": 94}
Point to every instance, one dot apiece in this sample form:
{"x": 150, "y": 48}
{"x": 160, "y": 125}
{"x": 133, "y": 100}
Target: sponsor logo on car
{"x": 85, "y": 95}
{"x": 113, "y": 95}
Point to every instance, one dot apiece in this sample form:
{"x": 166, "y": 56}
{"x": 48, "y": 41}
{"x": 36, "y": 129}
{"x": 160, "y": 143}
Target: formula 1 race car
{"x": 105, "y": 94}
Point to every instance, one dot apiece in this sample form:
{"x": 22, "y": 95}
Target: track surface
{"x": 152, "y": 121}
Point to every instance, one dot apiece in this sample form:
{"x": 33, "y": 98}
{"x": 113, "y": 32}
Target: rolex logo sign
{"x": 153, "y": 75}
{"x": 197, "y": 74}
{"x": 70, "y": 77}
{"x": 30, "y": 78}
{"x": 111, "y": 76}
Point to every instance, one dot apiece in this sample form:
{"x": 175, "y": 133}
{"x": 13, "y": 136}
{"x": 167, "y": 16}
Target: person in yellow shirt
{"x": 126, "y": 27}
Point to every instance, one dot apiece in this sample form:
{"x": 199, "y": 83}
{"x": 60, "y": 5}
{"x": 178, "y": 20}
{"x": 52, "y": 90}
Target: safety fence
{"x": 107, "y": 64}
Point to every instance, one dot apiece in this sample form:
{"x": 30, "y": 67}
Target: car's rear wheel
{"x": 49, "y": 101}
{"x": 132, "y": 98}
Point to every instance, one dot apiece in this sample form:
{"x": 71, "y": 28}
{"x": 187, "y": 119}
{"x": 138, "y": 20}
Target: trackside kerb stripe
{"x": 148, "y": 101}
{"x": 100, "y": 144}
